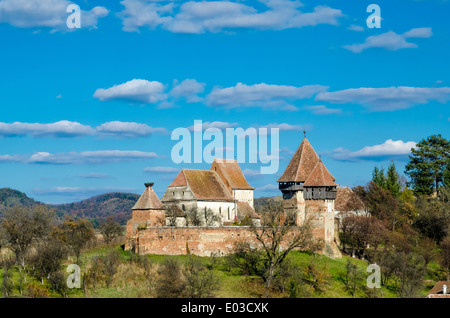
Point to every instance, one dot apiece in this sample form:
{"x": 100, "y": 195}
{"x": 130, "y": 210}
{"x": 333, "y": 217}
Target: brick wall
{"x": 202, "y": 241}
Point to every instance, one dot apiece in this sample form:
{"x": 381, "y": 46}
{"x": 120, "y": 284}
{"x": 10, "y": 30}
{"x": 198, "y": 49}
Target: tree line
{"x": 36, "y": 241}
{"x": 403, "y": 225}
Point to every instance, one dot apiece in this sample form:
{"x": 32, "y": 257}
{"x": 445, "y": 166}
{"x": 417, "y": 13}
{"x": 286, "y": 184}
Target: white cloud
{"x": 387, "y": 150}
{"x": 189, "y": 89}
{"x": 128, "y": 129}
{"x": 260, "y": 95}
{"x": 356, "y": 28}
{"x": 136, "y": 90}
{"x": 387, "y": 98}
{"x": 63, "y": 128}
{"x": 215, "y": 124}
{"x": 67, "y": 129}
{"x": 90, "y": 157}
{"x": 45, "y": 13}
{"x": 161, "y": 169}
{"x": 287, "y": 127}
{"x": 9, "y": 158}
{"x": 391, "y": 40}
{"x": 323, "y": 110}
{"x": 219, "y": 16}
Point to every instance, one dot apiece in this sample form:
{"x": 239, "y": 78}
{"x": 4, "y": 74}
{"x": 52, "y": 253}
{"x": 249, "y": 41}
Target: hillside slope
{"x": 97, "y": 209}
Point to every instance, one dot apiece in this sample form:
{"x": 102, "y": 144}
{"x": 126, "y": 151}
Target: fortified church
{"x": 308, "y": 189}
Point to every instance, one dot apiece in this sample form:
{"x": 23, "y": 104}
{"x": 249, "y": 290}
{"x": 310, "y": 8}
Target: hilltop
{"x": 96, "y": 209}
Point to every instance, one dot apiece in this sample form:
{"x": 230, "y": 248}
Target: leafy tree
{"x": 23, "y": 226}
{"x": 381, "y": 204}
{"x": 110, "y": 229}
{"x": 406, "y": 207}
{"x": 427, "y": 163}
{"x": 200, "y": 282}
{"x": 433, "y": 218}
{"x": 48, "y": 258}
{"x": 445, "y": 256}
{"x": 170, "y": 282}
{"x": 77, "y": 234}
{"x": 354, "y": 278}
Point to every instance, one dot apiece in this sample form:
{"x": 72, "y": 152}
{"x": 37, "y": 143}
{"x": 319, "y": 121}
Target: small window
{"x": 183, "y": 207}
{"x": 229, "y": 216}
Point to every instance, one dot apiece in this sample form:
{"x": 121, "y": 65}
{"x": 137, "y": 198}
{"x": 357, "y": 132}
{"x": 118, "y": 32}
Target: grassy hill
{"x": 96, "y": 209}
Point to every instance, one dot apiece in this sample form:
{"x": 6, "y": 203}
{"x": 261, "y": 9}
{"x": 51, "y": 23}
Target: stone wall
{"x": 201, "y": 241}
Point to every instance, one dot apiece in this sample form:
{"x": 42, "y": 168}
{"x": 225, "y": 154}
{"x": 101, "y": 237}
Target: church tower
{"x": 309, "y": 192}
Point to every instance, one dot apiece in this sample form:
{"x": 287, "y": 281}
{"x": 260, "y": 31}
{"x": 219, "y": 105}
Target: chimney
{"x": 149, "y": 184}
{"x": 444, "y": 289}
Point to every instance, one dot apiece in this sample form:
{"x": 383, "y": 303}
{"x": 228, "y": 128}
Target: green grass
{"x": 129, "y": 282}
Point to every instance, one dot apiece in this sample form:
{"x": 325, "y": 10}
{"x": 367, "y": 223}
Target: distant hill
{"x": 10, "y": 197}
{"x": 96, "y": 209}
{"x": 259, "y": 202}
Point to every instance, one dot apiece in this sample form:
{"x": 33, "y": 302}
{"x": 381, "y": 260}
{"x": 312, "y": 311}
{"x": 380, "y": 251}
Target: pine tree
{"x": 446, "y": 175}
{"x": 427, "y": 162}
{"x": 378, "y": 177}
{"x": 393, "y": 183}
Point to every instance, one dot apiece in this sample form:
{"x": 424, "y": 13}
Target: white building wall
{"x": 244, "y": 196}
{"x": 226, "y": 210}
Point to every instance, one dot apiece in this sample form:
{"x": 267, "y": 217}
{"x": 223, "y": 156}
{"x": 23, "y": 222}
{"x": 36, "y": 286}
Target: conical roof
{"x": 148, "y": 200}
{"x": 301, "y": 164}
{"x": 306, "y": 166}
{"x": 320, "y": 176}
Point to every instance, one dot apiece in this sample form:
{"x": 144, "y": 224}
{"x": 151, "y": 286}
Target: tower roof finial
{"x": 304, "y": 133}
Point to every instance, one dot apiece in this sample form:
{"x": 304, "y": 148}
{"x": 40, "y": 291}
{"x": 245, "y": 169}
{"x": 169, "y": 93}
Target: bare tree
{"x": 278, "y": 237}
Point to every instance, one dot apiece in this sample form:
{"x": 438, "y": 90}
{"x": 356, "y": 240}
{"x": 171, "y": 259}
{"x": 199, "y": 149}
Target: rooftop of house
{"x": 347, "y": 200}
{"x": 231, "y": 174}
{"x": 306, "y": 167}
{"x": 148, "y": 200}
{"x": 205, "y": 185}
{"x": 438, "y": 288}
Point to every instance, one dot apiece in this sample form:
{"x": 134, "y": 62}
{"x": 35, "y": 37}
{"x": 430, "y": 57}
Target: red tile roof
{"x": 231, "y": 174}
{"x": 319, "y": 177}
{"x": 246, "y": 210}
{"x": 306, "y": 166}
{"x": 205, "y": 184}
{"x": 148, "y": 200}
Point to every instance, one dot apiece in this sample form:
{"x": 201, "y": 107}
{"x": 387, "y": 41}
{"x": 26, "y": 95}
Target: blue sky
{"x": 91, "y": 110}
